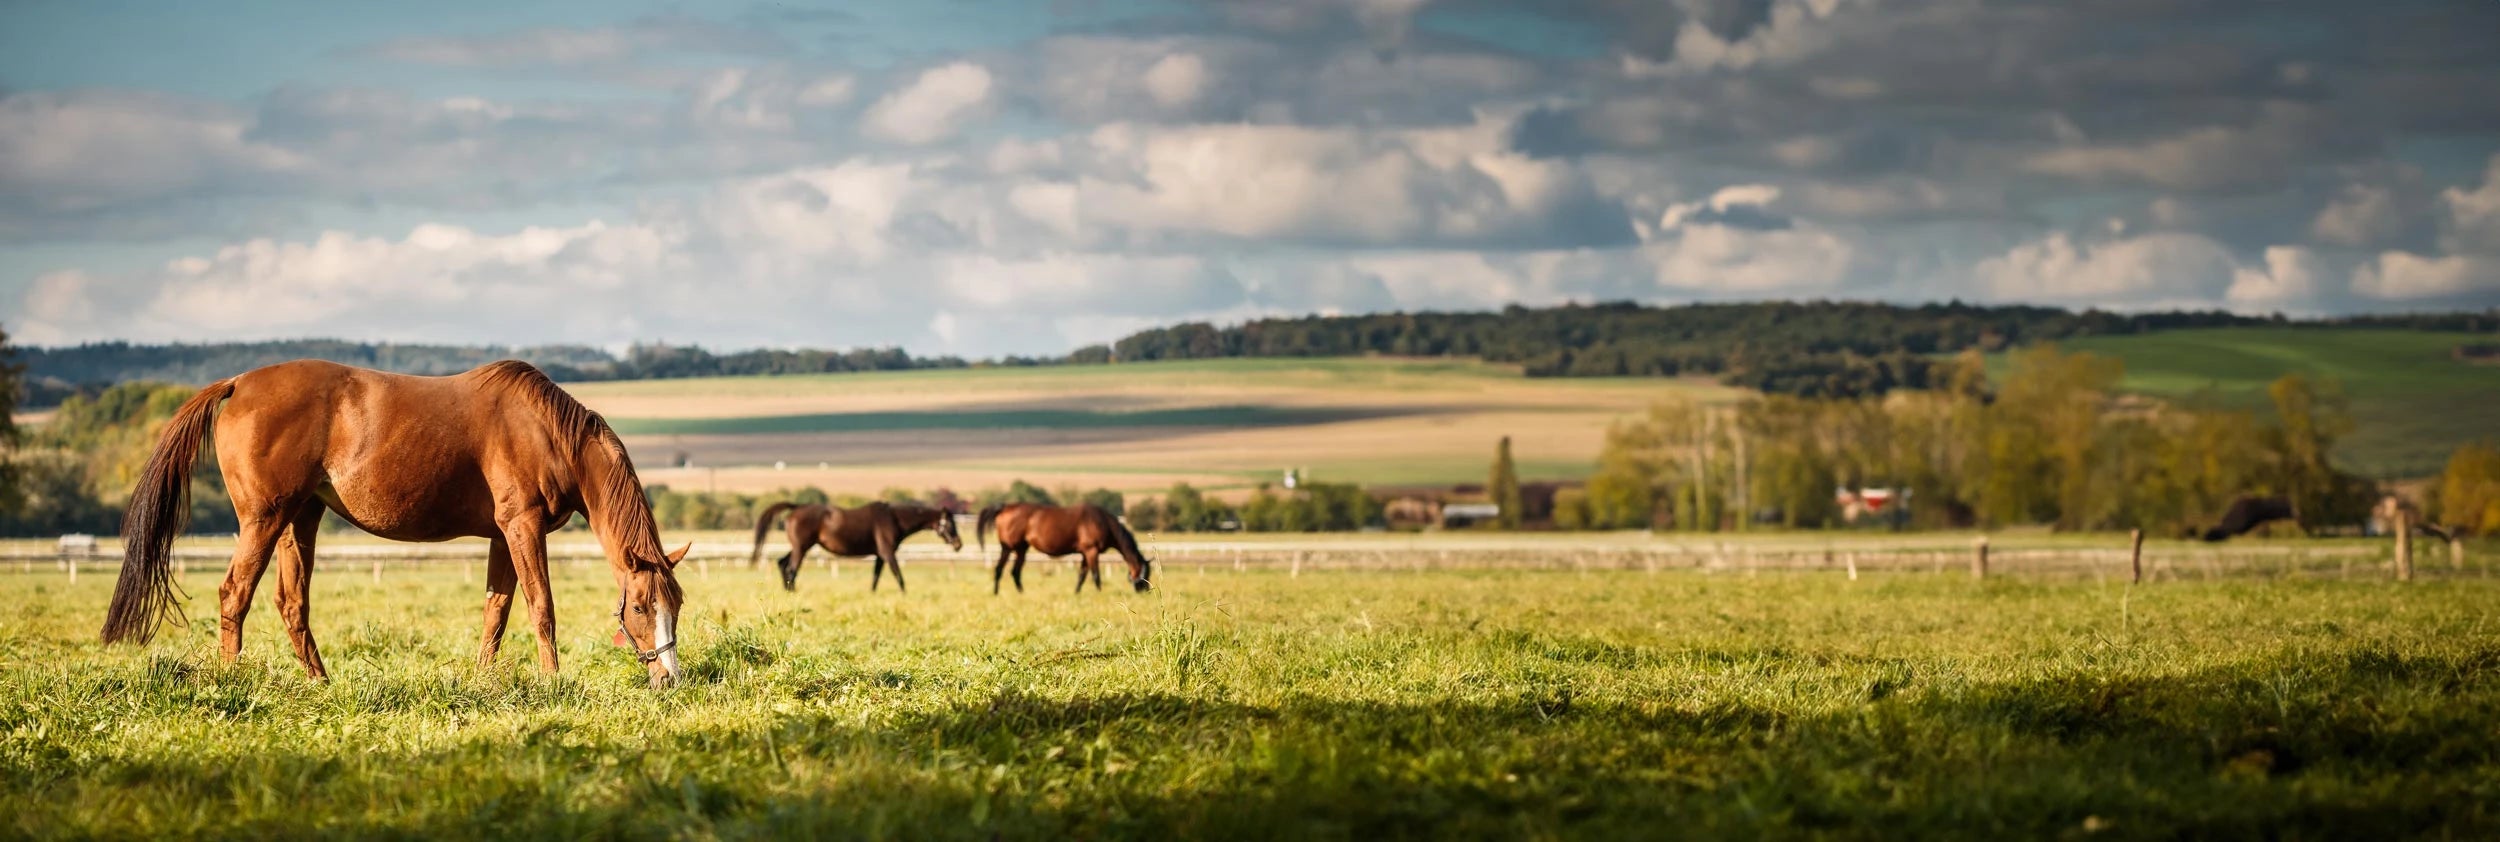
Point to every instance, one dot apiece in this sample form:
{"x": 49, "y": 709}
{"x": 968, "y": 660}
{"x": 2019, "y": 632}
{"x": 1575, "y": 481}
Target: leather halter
{"x": 646, "y": 657}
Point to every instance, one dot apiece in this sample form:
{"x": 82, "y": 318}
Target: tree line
{"x": 1808, "y": 349}
{"x": 1821, "y": 349}
{"x": 2055, "y": 444}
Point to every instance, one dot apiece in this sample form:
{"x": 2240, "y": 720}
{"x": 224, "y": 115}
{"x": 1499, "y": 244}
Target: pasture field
{"x": 1339, "y": 703}
{"x": 1222, "y": 424}
{"x": 2412, "y": 403}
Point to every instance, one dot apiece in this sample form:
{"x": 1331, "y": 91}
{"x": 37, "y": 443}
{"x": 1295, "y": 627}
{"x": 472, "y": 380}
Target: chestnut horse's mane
{"x": 624, "y": 512}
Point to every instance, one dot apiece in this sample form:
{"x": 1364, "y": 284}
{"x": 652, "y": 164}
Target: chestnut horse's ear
{"x": 679, "y": 555}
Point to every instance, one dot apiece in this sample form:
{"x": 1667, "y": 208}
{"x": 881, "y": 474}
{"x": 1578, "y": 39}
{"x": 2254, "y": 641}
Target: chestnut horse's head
{"x": 647, "y": 612}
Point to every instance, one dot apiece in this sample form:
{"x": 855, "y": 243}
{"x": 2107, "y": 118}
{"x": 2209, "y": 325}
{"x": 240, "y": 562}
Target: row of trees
{"x": 2055, "y": 444}
{"x": 1312, "y": 507}
{"x": 1808, "y": 349}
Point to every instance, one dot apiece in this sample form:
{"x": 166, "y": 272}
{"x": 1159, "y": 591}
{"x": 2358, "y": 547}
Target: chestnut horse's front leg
{"x": 499, "y": 580}
{"x": 528, "y": 547}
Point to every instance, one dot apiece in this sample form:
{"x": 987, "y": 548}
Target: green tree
{"x": 12, "y": 475}
{"x": 1106, "y": 500}
{"x": 2469, "y": 490}
{"x": 2312, "y": 415}
{"x": 1504, "y": 487}
{"x": 2041, "y": 434}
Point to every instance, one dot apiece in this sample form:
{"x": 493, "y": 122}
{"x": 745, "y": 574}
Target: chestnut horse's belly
{"x": 417, "y": 476}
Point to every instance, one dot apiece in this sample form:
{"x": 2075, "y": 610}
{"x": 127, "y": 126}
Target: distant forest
{"x": 1819, "y": 349}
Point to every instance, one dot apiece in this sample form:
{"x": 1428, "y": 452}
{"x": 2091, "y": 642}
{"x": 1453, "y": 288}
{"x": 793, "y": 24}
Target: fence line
{"x": 2122, "y": 556}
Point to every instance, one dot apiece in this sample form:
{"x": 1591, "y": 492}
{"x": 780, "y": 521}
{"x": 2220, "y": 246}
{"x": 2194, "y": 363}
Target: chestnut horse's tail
{"x": 764, "y": 524}
{"x": 981, "y": 527}
{"x": 144, "y": 596}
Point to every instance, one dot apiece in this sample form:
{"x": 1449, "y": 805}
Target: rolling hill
{"x": 2412, "y": 401}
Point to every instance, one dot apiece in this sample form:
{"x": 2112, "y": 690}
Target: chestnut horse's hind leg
{"x": 295, "y": 568}
{"x": 528, "y": 547}
{"x": 999, "y": 570}
{"x": 498, "y": 600}
{"x": 1018, "y": 572}
{"x": 1088, "y": 561}
{"x": 254, "y": 540}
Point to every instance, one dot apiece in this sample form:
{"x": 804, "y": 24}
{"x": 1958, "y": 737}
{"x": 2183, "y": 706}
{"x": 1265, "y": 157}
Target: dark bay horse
{"x": 497, "y": 452}
{"x": 1058, "y": 531}
{"x": 875, "y": 530}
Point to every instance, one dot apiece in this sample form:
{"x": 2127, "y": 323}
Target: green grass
{"x": 2411, "y": 402}
{"x": 1333, "y": 705}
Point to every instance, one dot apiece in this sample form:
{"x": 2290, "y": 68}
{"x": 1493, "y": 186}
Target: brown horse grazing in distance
{"x": 1058, "y": 531}
{"x": 498, "y": 452}
{"x": 875, "y": 530}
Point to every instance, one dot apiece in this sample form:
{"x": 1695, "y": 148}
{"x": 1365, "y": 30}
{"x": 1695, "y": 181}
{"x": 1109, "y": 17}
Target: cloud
{"x": 932, "y": 107}
{"x": 2472, "y": 222}
{"x": 1177, "y": 80}
{"x": 2405, "y": 276}
{"x": 2290, "y": 275}
{"x": 2208, "y": 158}
{"x": 2363, "y": 215}
{"x": 438, "y": 281}
{"x": 68, "y": 153}
{"x": 1147, "y": 185}
{"x": 2171, "y": 267}
{"x": 578, "y": 46}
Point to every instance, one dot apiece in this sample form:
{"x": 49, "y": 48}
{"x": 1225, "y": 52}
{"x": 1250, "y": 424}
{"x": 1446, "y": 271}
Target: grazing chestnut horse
{"x": 1058, "y": 531}
{"x": 498, "y": 452}
{"x": 874, "y": 530}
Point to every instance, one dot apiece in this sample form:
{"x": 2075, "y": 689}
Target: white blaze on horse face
{"x": 663, "y": 633}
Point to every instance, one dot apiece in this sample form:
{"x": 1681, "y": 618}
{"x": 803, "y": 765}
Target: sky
{"x": 987, "y": 178}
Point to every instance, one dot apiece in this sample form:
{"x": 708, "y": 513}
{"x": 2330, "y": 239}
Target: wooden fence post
{"x": 2456, "y": 553}
{"x": 1297, "y": 566}
{"x": 377, "y": 571}
{"x": 2135, "y": 557}
{"x": 1979, "y": 559}
{"x": 2404, "y": 546}
{"x": 1852, "y": 560}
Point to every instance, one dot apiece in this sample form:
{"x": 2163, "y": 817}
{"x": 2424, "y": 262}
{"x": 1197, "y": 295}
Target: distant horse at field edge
{"x": 498, "y": 452}
{"x": 874, "y": 530}
{"x": 1058, "y": 531}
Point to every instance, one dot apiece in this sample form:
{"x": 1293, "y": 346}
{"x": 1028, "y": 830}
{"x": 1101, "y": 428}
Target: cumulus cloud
{"x": 2405, "y": 276}
{"x": 1146, "y": 184}
{"x": 438, "y": 280}
{"x": 2472, "y": 223}
{"x": 2290, "y": 275}
{"x": 2164, "y": 267}
{"x": 932, "y": 107}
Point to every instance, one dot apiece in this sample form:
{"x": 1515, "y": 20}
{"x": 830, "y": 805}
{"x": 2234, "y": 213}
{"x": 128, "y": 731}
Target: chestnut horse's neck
{"x": 613, "y": 501}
